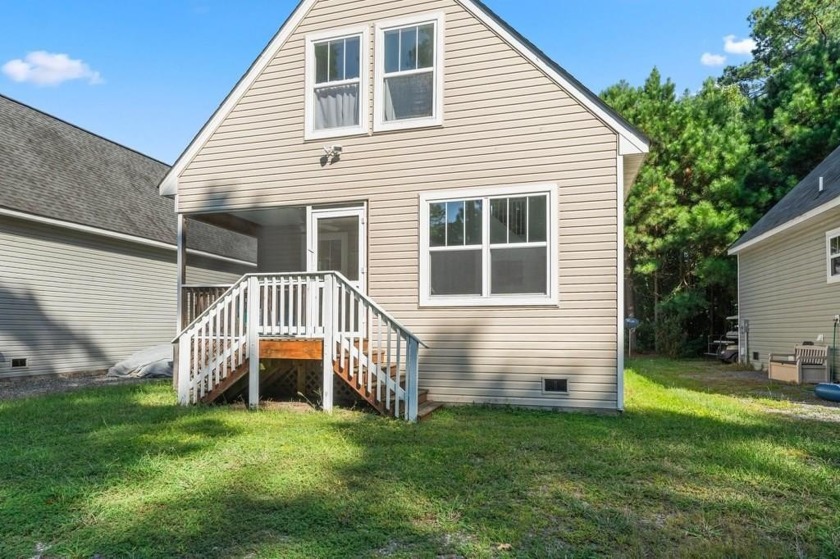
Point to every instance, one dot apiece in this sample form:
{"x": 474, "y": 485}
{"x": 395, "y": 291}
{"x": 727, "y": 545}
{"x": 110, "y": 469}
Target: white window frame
{"x": 828, "y": 236}
{"x": 363, "y": 33}
{"x": 486, "y": 299}
{"x": 379, "y": 122}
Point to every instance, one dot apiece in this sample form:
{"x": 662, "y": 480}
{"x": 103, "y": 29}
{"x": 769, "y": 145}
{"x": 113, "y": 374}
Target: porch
{"x": 321, "y": 317}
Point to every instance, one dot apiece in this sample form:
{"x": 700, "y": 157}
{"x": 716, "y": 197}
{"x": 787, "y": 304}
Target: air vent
{"x": 556, "y": 386}
{"x": 755, "y": 356}
{"x": 18, "y": 363}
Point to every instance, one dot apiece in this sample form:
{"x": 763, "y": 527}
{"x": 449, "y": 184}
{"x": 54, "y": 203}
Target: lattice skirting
{"x": 293, "y": 378}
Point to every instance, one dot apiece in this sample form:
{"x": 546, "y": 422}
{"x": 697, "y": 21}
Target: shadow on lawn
{"x": 464, "y": 483}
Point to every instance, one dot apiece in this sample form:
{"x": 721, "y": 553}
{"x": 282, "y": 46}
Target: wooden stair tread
{"x": 230, "y": 380}
{"x": 425, "y": 409}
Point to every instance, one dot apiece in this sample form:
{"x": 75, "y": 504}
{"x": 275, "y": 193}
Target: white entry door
{"x": 337, "y": 243}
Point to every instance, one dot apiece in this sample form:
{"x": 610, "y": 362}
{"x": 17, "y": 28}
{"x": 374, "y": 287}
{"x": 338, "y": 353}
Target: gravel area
{"x": 51, "y": 384}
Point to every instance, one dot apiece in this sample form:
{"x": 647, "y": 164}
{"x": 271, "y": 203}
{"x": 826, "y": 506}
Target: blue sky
{"x": 149, "y": 73}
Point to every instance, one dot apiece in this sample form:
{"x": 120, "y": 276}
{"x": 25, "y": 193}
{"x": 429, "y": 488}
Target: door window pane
{"x": 338, "y": 237}
{"x": 456, "y": 272}
{"x": 518, "y": 270}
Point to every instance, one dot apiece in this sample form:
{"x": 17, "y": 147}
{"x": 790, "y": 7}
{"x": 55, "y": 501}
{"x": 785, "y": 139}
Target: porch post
{"x": 181, "y": 264}
{"x": 253, "y": 312}
{"x": 329, "y": 342}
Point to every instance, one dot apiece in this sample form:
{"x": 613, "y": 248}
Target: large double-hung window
{"x": 409, "y": 75}
{"x": 489, "y": 247}
{"x": 336, "y": 90}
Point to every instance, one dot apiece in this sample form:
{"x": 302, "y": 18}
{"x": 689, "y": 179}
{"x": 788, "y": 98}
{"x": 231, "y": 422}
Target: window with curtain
{"x": 337, "y": 84}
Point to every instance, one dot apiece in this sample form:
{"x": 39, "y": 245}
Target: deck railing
{"x": 363, "y": 343}
{"x": 199, "y": 298}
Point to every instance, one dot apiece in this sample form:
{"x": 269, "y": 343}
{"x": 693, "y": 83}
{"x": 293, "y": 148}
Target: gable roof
{"x": 801, "y": 203}
{"x": 55, "y": 170}
{"x": 631, "y": 140}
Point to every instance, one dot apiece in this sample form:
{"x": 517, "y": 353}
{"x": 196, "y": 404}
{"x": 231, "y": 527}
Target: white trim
{"x": 620, "y": 281}
{"x": 363, "y": 32}
{"x": 115, "y": 235}
{"x": 379, "y": 123}
{"x": 828, "y": 236}
{"x": 831, "y": 204}
{"x": 635, "y": 143}
{"x": 314, "y": 214}
{"x": 552, "y": 236}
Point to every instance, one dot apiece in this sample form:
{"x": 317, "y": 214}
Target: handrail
{"x": 226, "y": 334}
{"x": 210, "y": 308}
{"x": 338, "y": 275}
{"x": 376, "y": 306}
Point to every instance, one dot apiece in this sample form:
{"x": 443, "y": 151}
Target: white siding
{"x": 73, "y": 302}
{"x": 505, "y": 123}
{"x": 783, "y": 288}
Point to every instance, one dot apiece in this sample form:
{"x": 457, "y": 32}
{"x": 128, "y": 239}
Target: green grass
{"x": 703, "y": 463}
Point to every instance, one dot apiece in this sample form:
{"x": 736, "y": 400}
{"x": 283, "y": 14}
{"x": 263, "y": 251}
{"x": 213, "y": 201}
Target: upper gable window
{"x": 409, "y": 73}
{"x": 336, "y": 91}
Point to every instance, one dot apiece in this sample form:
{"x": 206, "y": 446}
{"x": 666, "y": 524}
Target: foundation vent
{"x": 19, "y": 363}
{"x": 555, "y": 385}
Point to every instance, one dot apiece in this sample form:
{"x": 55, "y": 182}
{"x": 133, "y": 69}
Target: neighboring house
{"x": 87, "y": 248}
{"x": 460, "y": 180}
{"x": 789, "y": 268}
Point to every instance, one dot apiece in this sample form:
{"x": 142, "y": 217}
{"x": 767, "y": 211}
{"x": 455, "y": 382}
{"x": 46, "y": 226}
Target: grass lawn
{"x": 706, "y": 461}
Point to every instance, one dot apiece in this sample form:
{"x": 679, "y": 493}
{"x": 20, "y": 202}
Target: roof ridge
{"x": 79, "y": 128}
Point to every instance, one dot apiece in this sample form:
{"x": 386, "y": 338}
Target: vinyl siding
{"x": 505, "y": 123}
{"x": 73, "y": 302}
{"x": 783, "y": 288}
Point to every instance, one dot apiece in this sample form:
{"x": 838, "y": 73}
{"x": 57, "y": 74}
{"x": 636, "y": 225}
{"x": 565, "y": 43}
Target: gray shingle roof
{"x": 53, "y": 169}
{"x": 804, "y": 197}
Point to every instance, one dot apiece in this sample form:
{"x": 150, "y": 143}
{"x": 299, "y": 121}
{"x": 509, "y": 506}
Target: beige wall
{"x": 505, "y": 123}
{"x": 783, "y": 288}
{"x": 72, "y": 301}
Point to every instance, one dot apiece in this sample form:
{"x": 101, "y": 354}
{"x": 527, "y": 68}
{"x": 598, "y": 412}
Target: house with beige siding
{"x": 789, "y": 269}
{"x": 439, "y": 214}
{"x": 88, "y": 249}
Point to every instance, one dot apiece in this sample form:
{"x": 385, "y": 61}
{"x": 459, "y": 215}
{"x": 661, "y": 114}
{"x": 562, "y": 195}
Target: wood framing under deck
{"x": 310, "y": 350}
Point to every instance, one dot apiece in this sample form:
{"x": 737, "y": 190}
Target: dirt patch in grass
{"x": 24, "y": 387}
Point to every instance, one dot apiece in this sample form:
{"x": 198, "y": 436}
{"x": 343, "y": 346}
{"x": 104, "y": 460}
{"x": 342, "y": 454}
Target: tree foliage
{"x": 719, "y": 159}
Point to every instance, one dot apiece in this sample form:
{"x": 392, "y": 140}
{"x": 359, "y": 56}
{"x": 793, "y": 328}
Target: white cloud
{"x": 733, "y": 46}
{"x": 709, "y": 59}
{"x": 45, "y": 68}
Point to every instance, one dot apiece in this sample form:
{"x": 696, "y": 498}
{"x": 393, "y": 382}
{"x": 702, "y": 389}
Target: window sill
{"x": 336, "y": 133}
{"x": 513, "y": 301}
{"x": 408, "y": 124}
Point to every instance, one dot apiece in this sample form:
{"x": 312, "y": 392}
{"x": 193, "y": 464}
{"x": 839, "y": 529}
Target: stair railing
{"x": 376, "y": 353}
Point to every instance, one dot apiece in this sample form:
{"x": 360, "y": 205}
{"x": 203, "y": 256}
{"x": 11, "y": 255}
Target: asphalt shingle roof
{"x": 804, "y": 197}
{"x": 54, "y": 169}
